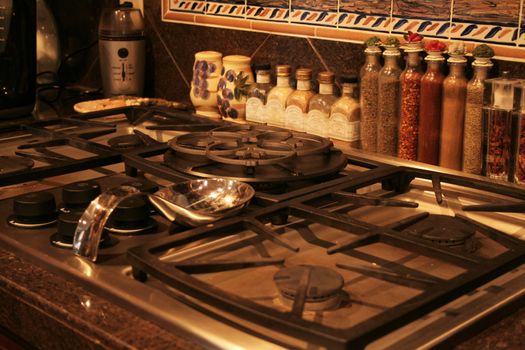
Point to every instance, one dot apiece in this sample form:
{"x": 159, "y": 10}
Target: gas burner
{"x": 254, "y": 154}
{"x": 67, "y": 224}
{"x": 131, "y": 217}
{"x": 324, "y": 286}
{"x": 143, "y": 186}
{"x": 126, "y": 142}
{"x": 14, "y": 164}
{"x": 33, "y": 210}
{"x": 446, "y": 231}
{"x": 78, "y": 195}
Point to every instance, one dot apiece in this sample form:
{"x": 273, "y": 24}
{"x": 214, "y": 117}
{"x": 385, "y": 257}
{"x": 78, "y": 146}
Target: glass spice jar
{"x": 519, "y": 177}
{"x": 430, "y": 105}
{"x": 276, "y": 100}
{"x": 257, "y": 93}
{"x": 472, "y": 139}
{"x": 345, "y": 114}
{"x": 368, "y": 96}
{"x": 316, "y": 121}
{"x": 297, "y": 102}
{"x": 410, "y": 100}
{"x": 388, "y": 99}
{"x": 453, "y": 114}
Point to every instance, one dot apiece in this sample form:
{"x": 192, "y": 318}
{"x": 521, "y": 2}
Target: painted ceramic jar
{"x": 206, "y": 74}
{"x": 233, "y": 86}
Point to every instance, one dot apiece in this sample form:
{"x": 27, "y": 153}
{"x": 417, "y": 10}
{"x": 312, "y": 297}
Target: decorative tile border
{"x": 339, "y": 24}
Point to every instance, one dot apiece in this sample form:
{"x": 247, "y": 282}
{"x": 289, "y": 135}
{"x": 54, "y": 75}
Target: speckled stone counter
{"x": 50, "y": 312}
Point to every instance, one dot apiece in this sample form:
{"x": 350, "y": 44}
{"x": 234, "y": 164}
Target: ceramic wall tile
{"x": 193, "y": 6}
{"x": 268, "y": 10}
{"x": 428, "y": 17}
{"x": 228, "y": 8}
{"x": 373, "y": 15}
{"x": 480, "y": 20}
{"x": 314, "y": 12}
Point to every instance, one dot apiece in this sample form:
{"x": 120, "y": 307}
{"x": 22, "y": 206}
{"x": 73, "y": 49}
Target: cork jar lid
{"x": 303, "y": 74}
{"x": 283, "y": 70}
{"x": 326, "y": 77}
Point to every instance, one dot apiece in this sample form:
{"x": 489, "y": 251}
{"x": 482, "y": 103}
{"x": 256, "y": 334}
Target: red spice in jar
{"x": 410, "y": 100}
{"x": 430, "y": 113}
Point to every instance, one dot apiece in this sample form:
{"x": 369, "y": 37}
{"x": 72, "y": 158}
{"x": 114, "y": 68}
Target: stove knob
{"x": 67, "y": 224}
{"x": 131, "y": 210}
{"x": 80, "y": 194}
{"x": 143, "y": 186}
{"x": 34, "y": 208}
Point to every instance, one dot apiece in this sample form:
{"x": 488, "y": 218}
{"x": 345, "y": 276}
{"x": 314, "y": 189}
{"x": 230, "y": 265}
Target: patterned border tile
{"x": 362, "y": 21}
{"x": 225, "y": 9}
{"x": 311, "y": 17}
{"x": 425, "y": 27}
{"x": 505, "y": 35}
{"x": 274, "y": 14}
{"x": 197, "y": 6}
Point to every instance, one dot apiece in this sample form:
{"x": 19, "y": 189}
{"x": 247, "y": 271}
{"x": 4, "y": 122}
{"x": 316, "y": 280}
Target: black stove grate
{"x": 333, "y": 207}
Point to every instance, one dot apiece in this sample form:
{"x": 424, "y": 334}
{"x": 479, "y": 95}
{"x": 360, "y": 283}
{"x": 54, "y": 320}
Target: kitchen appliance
{"x": 17, "y": 57}
{"x": 374, "y": 255}
{"x": 122, "y": 51}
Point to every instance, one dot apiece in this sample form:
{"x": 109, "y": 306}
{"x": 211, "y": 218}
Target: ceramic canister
{"x": 233, "y": 86}
{"x": 206, "y": 74}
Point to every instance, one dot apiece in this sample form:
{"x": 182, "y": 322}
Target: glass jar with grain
{"x": 410, "y": 100}
{"x": 472, "y": 138}
{"x": 276, "y": 100}
{"x": 388, "y": 96}
{"x": 368, "y": 99}
{"x": 453, "y": 110}
{"x": 345, "y": 114}
{"x": 430, "y": 104}
{"x": 316, "y": 121}
{"x": 297, "y": 102}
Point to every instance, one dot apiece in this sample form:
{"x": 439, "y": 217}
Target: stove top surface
{"x": 375, "y": 256}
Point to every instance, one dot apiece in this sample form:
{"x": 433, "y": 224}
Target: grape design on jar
{"x": 226, "y": 95}
{"x": 204, "y": 82}
{"x": 200, "y": 78}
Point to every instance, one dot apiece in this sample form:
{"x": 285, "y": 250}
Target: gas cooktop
{"x": 363, "y": 255}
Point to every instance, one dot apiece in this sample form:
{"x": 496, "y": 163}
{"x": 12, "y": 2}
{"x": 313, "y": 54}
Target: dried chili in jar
{"x": 410, "y": 99}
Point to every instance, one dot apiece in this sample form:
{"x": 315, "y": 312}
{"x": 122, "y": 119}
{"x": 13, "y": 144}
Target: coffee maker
{"x": 17, "y": 57}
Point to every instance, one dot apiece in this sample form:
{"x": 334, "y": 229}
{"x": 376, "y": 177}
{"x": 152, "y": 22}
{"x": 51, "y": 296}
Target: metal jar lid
{"x": 283, "y": 70}
{"x": 303, "y": 74}
{"x": 326, "y": 77}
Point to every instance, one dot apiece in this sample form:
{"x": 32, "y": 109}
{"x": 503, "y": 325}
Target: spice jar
{"x": 430, "y": 104}
{"x": 388, "y": 96}
{"x": 319, "y": 106}
{"x": 368, "y": 99}
{"x": 276, "y": 100}
{"x": 410, "y": 99}
{"x": 257, "y": 93}
{"x": 345, "y": 114}
{"x": 472, "y": 138}
{"x": 453, "y": 110}
{"x": 297, "y": 102}
{"x": 500, "y": 127}
{"x": 519, "y": 177}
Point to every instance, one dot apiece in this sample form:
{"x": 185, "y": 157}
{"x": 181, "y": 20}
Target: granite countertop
{"x": 50, "y": 312}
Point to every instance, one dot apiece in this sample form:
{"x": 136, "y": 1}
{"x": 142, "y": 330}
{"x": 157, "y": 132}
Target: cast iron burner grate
{"x": 254, "y": 154}
{"x": 354, "y": 252}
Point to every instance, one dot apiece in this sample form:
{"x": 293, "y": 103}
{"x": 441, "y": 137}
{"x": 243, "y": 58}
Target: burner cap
{"x": 80, "y": 194}
{"x": 143, "y": 186}
{"x": 443, "y": 230}
{"x": 324, "y": 286}
{"x": 125, "y": 142}
{"x": 131, "y": 216}
{"x": 33, "y": 210}
{"x": 67, "y": 224}
{"x": 14, "y": 164}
